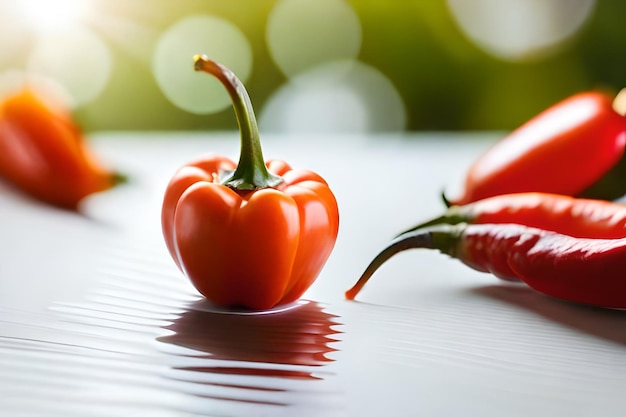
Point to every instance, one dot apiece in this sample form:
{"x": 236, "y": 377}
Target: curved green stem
{"x": 444, "y": 239}
{"x": 454, "y": 215}
{"x": 445, "y": 200}
{"x": 251, "y": 172}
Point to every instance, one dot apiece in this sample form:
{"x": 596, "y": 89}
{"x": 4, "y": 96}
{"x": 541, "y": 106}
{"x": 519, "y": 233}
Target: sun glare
{"x": 47, "y": 16}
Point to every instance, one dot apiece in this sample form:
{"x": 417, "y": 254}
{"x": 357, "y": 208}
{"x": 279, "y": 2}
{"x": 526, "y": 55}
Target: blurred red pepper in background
{"x": 44, "y": 154}
{"x": 563, "y": 150}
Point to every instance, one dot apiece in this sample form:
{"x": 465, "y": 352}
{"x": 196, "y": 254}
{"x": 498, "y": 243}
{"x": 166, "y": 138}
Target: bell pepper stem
{"x": 251, "y": 172}
{"x": 443, "y": 238}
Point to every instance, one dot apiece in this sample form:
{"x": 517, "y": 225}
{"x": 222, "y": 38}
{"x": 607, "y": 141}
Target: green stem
{"x": 443, "y": 238}
{"x": 251, "y": 172}
{"x": 454, "y": 215}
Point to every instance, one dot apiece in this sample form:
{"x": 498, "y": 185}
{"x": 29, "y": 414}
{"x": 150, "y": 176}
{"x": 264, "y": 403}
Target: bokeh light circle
{"x": 47, "y": 16}
{"x": 302, "y": 33}
{"x": 172, "y": 62}
{"x": 15, "y": 38}
{"x": 343, "y": 96}
{"x": 77, "y": 59}
{"x": 519, "y": 29}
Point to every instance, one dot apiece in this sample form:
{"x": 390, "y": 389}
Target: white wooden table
{"x": 95, "y": 320}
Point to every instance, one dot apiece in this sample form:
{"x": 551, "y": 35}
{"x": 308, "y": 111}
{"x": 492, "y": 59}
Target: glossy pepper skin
{"x": 251, "y": 234}
{"x": 588, "y": 271}
{"x": 43, "y": 153}
{"x": 563, "y": 150}
{"x": 578, "y": 217}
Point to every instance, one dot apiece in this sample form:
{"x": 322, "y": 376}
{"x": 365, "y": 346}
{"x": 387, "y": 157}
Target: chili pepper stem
{"x": 118, "y": 178}
{"x": 452, "y": 216}
{"x": 445, "y": 200}
{"x": 251, "y": 172}
{"x": 443, "y": 238}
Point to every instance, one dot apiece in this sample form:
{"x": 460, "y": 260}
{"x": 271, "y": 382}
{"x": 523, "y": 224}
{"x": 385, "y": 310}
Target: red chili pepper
{"x": 563, "y": 150}
{"x": 589, "y": 271}
{"x": 576, "y": 217}
{"x": 251, "y": 237}
{"x": 43, "y": 153}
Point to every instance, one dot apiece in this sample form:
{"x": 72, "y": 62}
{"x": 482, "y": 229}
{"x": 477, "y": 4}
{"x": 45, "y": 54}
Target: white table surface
{"x": 95, "y": 320}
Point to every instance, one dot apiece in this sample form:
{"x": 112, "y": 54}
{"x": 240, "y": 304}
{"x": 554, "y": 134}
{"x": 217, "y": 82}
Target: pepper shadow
{"x": 290, "y": 343}
{"x": 604, "y": 323}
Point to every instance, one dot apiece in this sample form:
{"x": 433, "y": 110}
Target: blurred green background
{"x": 324, "y": 65}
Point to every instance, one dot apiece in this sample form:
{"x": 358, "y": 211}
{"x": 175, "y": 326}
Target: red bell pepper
{"x": 251, "y": 234}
